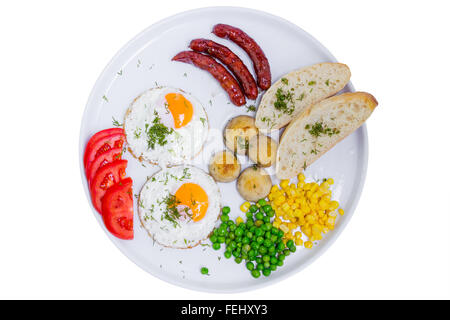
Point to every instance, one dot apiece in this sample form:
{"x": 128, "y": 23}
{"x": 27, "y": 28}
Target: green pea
{"x": 266, "y": 272}
{"x": 245, "y": 240}
{"x": 204, "y": 270}
{"x": 239, "y": 232}
{"x": 216, "y": 232}
{"x": 268, "y": 225}
{"x": 273, "y": 267}
{"x": 226, "y": 210}
{"x": 274, "y": 231}
{"x": 216, "y": 246}
{"x": 244, "y": 256}
{"x": 231, "y": 236}
{"x": 249, "y": 235}
{"x": 267, "y": 235}
{"x": 236, "y": 253}
{"x": 253, "y": 208}
{"x": 238, "y": 260}
{"x": 267, "y": 208}
{"x": 222, "y": 232}
{"x": 224, "y": 226}
{"x": 250, "y": 266}
{"x": 246, "y": 248}
{"x": 286, "y": 252}
{"x": 266, "y": 264}
{"x": 232, "y": 227}
{"x": 230, "y": 223}
{"x": 280, "y": 246}
{"x": 227, "y": 241}
{"x": 272, "y": 250}
{"x": 259, "y": 223}
{"x": 249, "y": 223}
{"x": 280, "y": 263}
{"x": 259, "y": 240}
{"x": 271, "y": 213}
{"x": 262, "y": 250}
{"x": 266, "y": 258}
{"x": 258, "y": 231}
{"x": 249, "y": 214}
{"x": 273, "y": 260}
{"x": 213, "y": 238}
{"x": 273, "y": 238}
{"x": 252, "y": 229}
{"x": 254, "y": 245}
{"x": 292, "y": 248}
{"x": 238, "y": 240}
{"x": 221, "y": 239}
{"x": 259, "y": 266}
{"x": 266, "y": 219}
{"x": 259, "y": 216}
{"x": 262, "y": 202}
{"x": 280, "y": 233}
{"x": 267, "y": 243}
{"x": 281, "y": 257}
{"x": 290, "y": 243}
{"x": 256, "y": 274}
{"x": 233, "y": 245}
{"x": 227, "y": 254}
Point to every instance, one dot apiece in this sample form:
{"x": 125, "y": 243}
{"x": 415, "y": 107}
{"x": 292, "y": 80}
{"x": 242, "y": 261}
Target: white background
{"x": 397, "y": 244}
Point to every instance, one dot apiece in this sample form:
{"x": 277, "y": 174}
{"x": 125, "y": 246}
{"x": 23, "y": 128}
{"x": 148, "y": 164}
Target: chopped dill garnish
{"x": 157, "y": 133}
{"x": 116, "y": 123}
{"x": 285, "y": 81}
{"x": 311, "y": 83}
{"x": 319, "y": 128}
{"x": 282, "y": 101}
{"x": 251, "y": 108}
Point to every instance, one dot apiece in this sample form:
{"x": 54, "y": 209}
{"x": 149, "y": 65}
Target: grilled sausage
{"x": 260, "y": 62}
{"x": 226, "y": 80}
{"x": 232, "y": 61}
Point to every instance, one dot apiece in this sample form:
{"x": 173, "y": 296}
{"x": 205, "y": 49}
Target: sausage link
{"x": 260, "y": 62}
{"x": 232, "y": 61}
{"x": 226, "y": 80}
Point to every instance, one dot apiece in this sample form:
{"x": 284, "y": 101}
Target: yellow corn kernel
{"x": 341, "y": 212}
{"x": 292, "y": 226}
{"x": 298, "y": 242}
{"x": 308, "y": 244}
{"x": 284, "y": 228}
{"x": 301, "y": 177}
{"x": 274, "y": 188}
{"x": 284, "y": 183}
{"x": 334, "y": 205}
{"x": 330, "y": 181}
{"x": 239, "y": 220}
{"x": 245, "y": 206}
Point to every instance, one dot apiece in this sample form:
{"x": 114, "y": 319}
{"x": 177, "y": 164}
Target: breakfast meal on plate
{"x": 179, "y": 206}
{"x": 256, "y": 54}
{"x": 224, "y": 166}
{"x": 295, "y": 91}
{"x": 262, "y": 150}
{"x": 238, "y": 132}
{"x": 231, "y": 61}
{"x": 110, "y": 190}
{"x": 254, "y": 183}
{"x": 226, "y": 80}
{"x": 319, "y": 128}
{"x": 166, "y": 126}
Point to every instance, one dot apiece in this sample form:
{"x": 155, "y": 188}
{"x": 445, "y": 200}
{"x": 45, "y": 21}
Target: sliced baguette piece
{"x": 301, "y": 88}
{"x": 319, "y": 128}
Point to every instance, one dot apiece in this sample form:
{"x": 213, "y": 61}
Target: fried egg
{"x": 179, "y": 206}
{"x": 166, "y": 126}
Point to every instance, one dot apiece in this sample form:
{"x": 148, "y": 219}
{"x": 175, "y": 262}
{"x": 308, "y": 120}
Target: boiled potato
{"x": 224, "y": 166}
{"x": 238, "y": 132}
{"x": 254, "y": 183}
{"x": 262, "y": 150}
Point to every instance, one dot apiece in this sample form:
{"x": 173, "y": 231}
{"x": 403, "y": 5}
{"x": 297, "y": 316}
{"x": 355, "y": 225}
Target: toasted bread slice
{"x": 294, "y": 92}
{"x": 319, "y": 128}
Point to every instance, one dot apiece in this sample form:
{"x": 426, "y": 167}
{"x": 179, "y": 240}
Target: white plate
{"x": 146, "y": 60}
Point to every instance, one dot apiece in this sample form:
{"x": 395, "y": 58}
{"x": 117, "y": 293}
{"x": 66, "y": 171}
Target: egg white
{"x": 182, "y": 144}
{"x": 186, "y": 233}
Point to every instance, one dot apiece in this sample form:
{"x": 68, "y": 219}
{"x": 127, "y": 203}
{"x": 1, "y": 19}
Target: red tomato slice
{"x": 105, "y": 177}
{"x": 107, "y": 157}
{"x": 101, "y": 142}
{"x": 117, "y": 208}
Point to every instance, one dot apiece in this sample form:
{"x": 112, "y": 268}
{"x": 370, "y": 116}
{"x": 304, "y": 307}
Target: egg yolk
{"x": 181, "y": 109}
{"x": 194, "y": 197}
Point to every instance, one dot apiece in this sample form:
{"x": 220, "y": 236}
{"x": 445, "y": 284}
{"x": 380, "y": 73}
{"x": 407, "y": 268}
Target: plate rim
{"x": 321, "y": 250}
